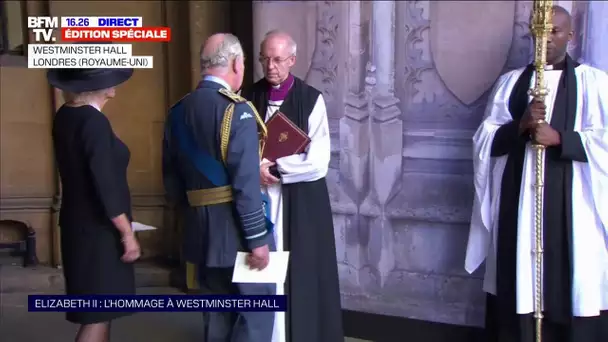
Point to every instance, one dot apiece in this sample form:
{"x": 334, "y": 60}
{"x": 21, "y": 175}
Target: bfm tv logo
{"x": 43, "y": 28}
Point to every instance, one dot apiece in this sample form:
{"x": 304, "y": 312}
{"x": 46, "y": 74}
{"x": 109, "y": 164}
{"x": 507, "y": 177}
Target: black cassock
{"x": 312, "y": 286}
{"x": 502, "y": 322}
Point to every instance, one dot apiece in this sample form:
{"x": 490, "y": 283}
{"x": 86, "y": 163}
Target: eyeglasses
{"x": 275, "y": 60}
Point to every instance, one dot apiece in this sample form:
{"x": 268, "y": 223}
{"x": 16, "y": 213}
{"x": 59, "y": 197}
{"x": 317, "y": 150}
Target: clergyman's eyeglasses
{"x": 275, "y": 60}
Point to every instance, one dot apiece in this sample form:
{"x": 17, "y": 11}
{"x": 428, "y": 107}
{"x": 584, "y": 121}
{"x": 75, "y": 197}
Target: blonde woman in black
{"x": 97, "y": 242}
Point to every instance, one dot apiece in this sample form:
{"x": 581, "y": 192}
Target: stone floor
{"x": 19, "y": 325}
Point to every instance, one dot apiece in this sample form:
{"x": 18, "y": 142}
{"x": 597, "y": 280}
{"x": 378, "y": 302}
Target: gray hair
{"x": 229, "y": 49}
{"x": 291, "y": 44}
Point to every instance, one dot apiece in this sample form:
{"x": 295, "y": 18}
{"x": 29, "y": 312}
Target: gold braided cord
{"x": 225, "y": 131}
{"x": 259, "y": 120}
{"x": 227, "y": 124}
{"x": 263, "y": 129}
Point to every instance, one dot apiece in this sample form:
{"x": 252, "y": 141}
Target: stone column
{"x": 383, "y": 41}
{"x": 596, "y": 53}
{"x": 354, "y": 150}
{"x": 356, "y": 47}
{"x": 259, "y": 30}
{"x": 205, "y": 18}
{"x": 386, "y": 138}
{"x": 578, "y": 11}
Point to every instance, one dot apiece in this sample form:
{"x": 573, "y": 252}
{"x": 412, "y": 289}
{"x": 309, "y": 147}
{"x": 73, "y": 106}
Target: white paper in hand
{"x": 140, "y": 227}
{"x": 275, "y": 272}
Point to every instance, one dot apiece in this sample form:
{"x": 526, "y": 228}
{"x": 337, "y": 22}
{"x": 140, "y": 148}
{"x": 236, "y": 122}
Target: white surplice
{"x": 589, "y": 195}
{"x": 305, "y": 167}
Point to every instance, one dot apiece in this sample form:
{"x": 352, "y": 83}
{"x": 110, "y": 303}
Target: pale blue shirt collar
{"x": 217, "y": 80}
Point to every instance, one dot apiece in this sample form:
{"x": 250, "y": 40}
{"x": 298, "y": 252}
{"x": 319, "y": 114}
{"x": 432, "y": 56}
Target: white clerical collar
{"x": 217, "y": 80}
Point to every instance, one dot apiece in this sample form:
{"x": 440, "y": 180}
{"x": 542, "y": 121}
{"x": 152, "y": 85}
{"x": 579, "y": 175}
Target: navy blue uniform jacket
{"x": 213, "y": 234}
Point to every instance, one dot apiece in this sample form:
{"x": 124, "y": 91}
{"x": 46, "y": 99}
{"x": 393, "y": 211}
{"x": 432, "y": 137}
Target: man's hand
{"x": 258, "y": 258}
{"x": 534, "y": 114}
{"x": 546, "y": 135}
{"x": 265, "y": 177}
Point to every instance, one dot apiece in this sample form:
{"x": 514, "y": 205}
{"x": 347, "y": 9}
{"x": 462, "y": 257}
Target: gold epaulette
{"x": 236, "y": 98}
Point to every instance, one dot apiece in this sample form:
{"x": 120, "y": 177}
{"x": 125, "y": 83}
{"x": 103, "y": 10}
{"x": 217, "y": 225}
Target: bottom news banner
{"x": 144, "y": 303}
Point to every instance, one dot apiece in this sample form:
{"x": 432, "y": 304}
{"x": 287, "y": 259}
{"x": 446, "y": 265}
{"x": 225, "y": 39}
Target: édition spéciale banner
{"x": 155, "y": 303}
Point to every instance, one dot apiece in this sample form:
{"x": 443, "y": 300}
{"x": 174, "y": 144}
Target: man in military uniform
{"x": 211, "y": 169}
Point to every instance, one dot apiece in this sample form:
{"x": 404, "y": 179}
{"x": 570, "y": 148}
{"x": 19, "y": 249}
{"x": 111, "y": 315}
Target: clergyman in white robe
{"x": 300, "y": 210}
{"x": 306, "y": 167}
{"x": 577, "y": 107}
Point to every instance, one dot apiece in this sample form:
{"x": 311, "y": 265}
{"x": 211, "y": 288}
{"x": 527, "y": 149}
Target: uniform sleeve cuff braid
{"x": 254, "y": 224}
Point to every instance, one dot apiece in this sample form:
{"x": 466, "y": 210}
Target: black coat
{"x": 92, "y": 163}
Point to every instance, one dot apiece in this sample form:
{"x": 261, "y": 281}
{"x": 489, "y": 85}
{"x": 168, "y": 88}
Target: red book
{"x": 284, "y": 138}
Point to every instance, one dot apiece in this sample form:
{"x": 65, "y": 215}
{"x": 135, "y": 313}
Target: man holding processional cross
{"x": 570, "y": 301}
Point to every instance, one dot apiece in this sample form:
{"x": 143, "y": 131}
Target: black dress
{"x": 92, "y": 164}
